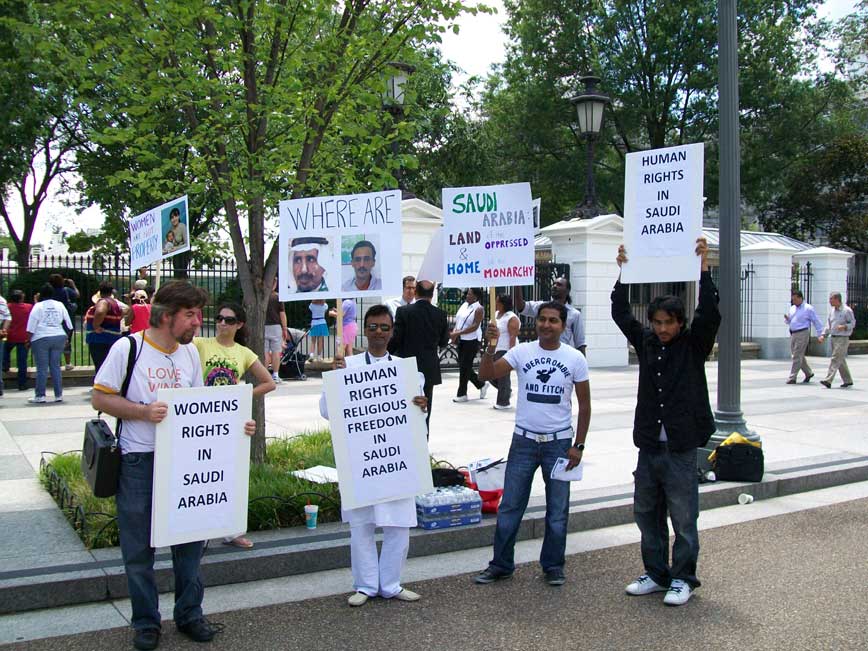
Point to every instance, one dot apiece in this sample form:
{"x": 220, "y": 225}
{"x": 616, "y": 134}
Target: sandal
{"x": 241, "y": 542}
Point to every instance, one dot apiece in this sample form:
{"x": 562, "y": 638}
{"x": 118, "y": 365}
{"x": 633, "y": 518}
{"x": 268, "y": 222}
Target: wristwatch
{"x": 580, "y": 447}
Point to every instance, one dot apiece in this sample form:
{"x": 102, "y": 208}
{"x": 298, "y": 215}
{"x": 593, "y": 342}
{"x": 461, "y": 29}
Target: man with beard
{"x": 574, "y": 333}
{"x": 306, "y": 269}
{"x": 363, "y": 259}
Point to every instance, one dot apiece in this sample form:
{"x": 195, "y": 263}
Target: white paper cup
{"x": 744, "y": 498}
{"x": 310, "y": 513}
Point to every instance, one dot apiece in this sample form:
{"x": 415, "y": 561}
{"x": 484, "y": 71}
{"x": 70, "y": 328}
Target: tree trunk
{"x": 255, "y": 307}
{"x": 22, "y": 256}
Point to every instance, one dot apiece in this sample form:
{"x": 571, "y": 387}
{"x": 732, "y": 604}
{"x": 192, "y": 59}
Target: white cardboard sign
{"x": 161, "y": 232}
{"x": 345, "y": 246}
{"x": 378, "y": 434}
{"x": 488, "y": 235}
{"x": 201, "y": 465}
{"x": 663, "y": 214}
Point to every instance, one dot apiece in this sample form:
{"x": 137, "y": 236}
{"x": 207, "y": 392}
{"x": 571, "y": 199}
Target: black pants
{"x": 467, "y": 350}
{"x": 429, "y": 393}
{"x": 98, "y": 353}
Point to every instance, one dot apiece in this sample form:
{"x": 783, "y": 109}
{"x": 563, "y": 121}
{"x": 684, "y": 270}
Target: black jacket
{"x": 420, "y": 329}
{"x": 672, "y": 386}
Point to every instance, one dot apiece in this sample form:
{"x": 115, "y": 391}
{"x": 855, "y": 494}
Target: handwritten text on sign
{"x": 146, "y": 234}
{"x": 488, "y": 236}
{"x": 378, "y": 435}
{"x": 201, "y": 465}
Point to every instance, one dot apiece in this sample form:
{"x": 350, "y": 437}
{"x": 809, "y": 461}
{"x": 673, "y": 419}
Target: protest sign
{"x": 432, "y": 264}
{"x": 345, "y": 246}
{"x": 159, "y": 233}
{"x": 663, "y": 214}
{"x": 378, "y": 434}
{"x": 488, "y": 236}
{"x": 201, "y": 464}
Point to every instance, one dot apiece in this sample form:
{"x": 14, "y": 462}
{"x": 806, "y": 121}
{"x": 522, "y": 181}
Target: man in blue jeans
{"x": 673, "y": 418}
{"x": 548, "y": 372}
{"x": 165, "y": 359}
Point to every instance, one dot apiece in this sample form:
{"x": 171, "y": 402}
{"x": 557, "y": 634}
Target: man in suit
{"x": 420, "y": 330}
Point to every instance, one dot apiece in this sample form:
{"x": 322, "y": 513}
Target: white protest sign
{"x": 663, "y": 214}
{"x": 488, "y": 236}
{"x": 201, "y": 465}
{"x": 345, "y": 246}
{"x": 159, "y": 233}
{"x": 378, "y": 434}
{"x": 432, "y": 264}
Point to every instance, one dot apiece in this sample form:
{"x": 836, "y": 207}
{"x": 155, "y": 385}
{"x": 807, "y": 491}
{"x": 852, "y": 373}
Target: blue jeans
{"x": 525, "y": 456}
{"x": 134, "y": 523}
{"x": 21, "y": 356}
{"x": 667, "y": 482}
{"x": 47, "y": 352}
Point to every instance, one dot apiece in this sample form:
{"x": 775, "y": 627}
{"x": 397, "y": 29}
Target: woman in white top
{"x": 508, "y": 325}
{"x": 468, "y": 333}
{"x": 47, "y": 338}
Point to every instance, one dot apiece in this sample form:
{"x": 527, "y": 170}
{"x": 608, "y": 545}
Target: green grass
{"x": 276, "y": 498}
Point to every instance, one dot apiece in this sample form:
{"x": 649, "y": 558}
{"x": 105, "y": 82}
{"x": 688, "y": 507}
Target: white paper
{"x": 318, "y": 474}
{"x": 149, "y": 240}
{"x": 432, "y": 264}
{"x": 559, "y": 470}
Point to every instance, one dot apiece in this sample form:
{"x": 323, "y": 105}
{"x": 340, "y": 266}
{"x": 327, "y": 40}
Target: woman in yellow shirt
{"x": 225, "y": 360}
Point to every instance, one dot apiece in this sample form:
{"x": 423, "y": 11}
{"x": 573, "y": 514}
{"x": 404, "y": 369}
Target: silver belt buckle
{"x": 545, "y": 438}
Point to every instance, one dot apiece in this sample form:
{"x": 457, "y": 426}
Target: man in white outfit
{"x": 373, "y": 576}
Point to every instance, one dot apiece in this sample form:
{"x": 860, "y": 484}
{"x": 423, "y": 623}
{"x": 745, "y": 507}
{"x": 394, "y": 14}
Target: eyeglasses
{"x": 382, "y": 327}
{"x": 228, "y": 320}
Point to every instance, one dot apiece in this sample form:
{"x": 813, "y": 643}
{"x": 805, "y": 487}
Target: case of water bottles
{"x": 451, "y": 506}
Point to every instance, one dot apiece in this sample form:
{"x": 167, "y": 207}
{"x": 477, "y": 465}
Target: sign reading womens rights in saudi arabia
{"x": 378, "y": 434}
{"x": 159, "y": 233}
{"x": 345, "y": 246}
{"x": 663, "y": 214}
{"x": 488, "y": 236}
{"x": 201, "y": 465}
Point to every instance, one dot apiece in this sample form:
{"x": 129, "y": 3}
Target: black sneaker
{"x": 556, "y": 577}
{"x": 146, "y": 638}
{"x": 828, "y": 385}
{"x": 807, "y": 378}
{"x": 199, "y": 630}
{"x": 489, "y": 575}
{"x": 846, "y": 384}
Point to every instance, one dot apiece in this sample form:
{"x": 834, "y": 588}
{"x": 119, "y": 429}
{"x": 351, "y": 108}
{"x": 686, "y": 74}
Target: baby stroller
{"x": 292, "y": 361}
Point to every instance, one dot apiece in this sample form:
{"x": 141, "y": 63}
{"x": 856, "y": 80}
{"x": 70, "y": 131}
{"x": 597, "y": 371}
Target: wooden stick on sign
{"x": 492, "y": 310}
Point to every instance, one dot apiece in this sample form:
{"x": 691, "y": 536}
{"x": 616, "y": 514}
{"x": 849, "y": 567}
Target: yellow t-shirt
{"x": 223, "y": 365}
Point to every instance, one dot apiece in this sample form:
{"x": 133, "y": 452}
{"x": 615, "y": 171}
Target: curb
{"x": 295, "y": 551}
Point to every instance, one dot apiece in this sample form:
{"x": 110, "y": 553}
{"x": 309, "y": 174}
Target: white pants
{"x": 382, "y": 575}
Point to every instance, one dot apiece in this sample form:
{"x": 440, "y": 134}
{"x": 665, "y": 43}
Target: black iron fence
{"x": 801, "y": 280}
{"x": 857, "y": 299}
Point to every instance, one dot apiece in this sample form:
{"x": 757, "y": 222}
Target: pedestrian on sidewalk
{"x": 225, "y": 359}
{"x": 103, "y": 323}
{"x": 5, "y": 323}
{"x": 164, "y": 350}
{"x": 319, "y": 329}
{"x": 65, "y": 291}
{"x": 275, "y": 334}
{"x": 47, "y": 328}
{"x": 839, "y": 326}
{"x": 16, "y": 337}
{"x": 800, "y": 318}
{"x": 350, "y": 327}
{"x": 372, "y": 575}
{"x": 140, "y": 305}
{"x": 508, "y": 325}
{"x": 548, "y": 373}
{"x": 467, "y": 334}
{"x": 673, "y": 419}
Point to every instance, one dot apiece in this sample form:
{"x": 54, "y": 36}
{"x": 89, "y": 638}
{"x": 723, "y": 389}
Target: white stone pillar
{"x": 828, "y": 274}
{"x": 590, "y": 247}
{"x": 772, "y": 282}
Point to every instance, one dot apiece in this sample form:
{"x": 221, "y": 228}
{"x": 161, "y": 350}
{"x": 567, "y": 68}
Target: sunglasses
{"x": 382, "y": 327}
{"x": 228, "y": 320}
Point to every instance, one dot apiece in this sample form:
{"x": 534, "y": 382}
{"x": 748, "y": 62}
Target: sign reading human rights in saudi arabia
{"x": 488, "y": 236}
{"x": 663, "y": 214}
{"x": 378, "y": 434}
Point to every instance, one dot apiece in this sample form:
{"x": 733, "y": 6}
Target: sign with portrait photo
{"x": 159, "y": 233}
{"x": 344, "y": 246}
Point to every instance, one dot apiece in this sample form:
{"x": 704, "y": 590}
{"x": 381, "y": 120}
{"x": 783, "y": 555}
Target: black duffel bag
{"x": 738, "y": 462}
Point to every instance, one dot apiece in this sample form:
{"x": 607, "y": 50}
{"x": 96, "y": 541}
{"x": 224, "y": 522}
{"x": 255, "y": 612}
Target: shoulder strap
{"x": 131, "y": 362}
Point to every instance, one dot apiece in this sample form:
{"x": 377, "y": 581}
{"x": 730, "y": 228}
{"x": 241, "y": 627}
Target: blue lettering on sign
{"x": 458, "y": 268}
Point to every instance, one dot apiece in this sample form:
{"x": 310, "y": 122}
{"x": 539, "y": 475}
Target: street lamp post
{"x": 590, "y": 106}
{"x": 393, "y": 103}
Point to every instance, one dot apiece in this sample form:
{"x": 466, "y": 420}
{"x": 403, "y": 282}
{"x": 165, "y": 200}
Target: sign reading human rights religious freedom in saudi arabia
{"x": 201, "y": 465}
{"x": 161, "y": 232}
{"x": 378, "y": 434}
{"x": 488, "y": 236}
{"x": 663, "y": 214}
{"x": 345, "y": 246}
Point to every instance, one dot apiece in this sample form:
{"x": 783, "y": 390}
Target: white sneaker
{"x": 644, "y": 585}
{"x": 407, "y": 595}
{"x": 483, "y": 391}
{"x": 460, "y": 399}
{"x": 501, "y": 407}
{"x": 36, "y": 400}
{"x": 276, "y": 378}
{"x": 358, "y": 599}
{"x": 58, "y": 398}
{"x": 678, "y": 594}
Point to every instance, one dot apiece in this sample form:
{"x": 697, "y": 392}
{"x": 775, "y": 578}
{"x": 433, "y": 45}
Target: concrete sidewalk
{"x": 807, "y": 431}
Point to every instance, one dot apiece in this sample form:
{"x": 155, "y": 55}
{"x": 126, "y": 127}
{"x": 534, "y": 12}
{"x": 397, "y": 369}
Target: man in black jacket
{"x": 673, "y": 418}
{"x": 420, "y": 330}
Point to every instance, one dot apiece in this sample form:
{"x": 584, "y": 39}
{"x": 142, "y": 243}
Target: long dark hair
{"x": 241, "y": 315}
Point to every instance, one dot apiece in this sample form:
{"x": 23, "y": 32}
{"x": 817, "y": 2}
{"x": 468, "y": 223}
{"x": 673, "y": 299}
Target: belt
{"x": 541, "y": 437}
{"x": 792, "y": 332}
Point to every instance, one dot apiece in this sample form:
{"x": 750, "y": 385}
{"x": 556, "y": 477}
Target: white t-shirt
{"x": 545, "y": 385}
{"x": 464, "y": 319}
{"x": 503, "y": 326}
{"x": 46, "y": 320}
{"x": 156, "y": 368}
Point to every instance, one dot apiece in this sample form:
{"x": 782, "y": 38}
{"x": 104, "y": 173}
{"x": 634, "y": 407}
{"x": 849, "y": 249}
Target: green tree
{"x": 276, "y": 99}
